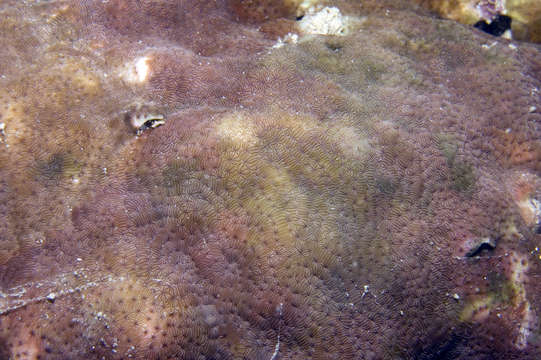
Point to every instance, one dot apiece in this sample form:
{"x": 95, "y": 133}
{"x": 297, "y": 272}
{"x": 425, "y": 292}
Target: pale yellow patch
{"x": 25, "y": 347}
{"x": 305, "y": 5}
{"x": 524, "y": 11}
{"x": 84, "y": 80}
{"x": 530, "y": 210}
{"x": 237, "y": 128}
{"x": 464, "y": 11}
{"x": 151, "y": 326}
{"x": 284, "y": 203}
{"x": 522, "y": 187}
{"x": 350, "y": 141}
{"x": 477, "y": 310}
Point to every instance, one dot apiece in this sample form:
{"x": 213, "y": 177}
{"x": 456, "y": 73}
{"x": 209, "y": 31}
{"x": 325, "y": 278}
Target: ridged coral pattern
{"x": 372, "y": 194}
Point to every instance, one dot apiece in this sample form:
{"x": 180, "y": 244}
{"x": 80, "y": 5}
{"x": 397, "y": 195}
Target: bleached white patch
{"x": 526, "y": 326}
{"x": 279, "y": 309}
{"x": 325, "y": 21}
{"x": 142, "y": 68}
{"x": 489, "y": 46}
{"x": 276, "y": 349}
{"x": 2, "y": 131}
{"x": 288, "y": 39}
{"x": 50, "y": 290}
{"x": 306, "y": 5}
{"x": 508, "y": 34}
{"x": 531, "y": 211}
{"x": 527, "y": 323}
{"x": 486, "y": 10}
{"x": 137, "y": 71}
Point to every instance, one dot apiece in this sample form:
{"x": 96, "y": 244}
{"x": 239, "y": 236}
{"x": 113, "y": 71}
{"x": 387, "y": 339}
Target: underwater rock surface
{"x": 265, "y": 180}
{"x": 525, "y": 14}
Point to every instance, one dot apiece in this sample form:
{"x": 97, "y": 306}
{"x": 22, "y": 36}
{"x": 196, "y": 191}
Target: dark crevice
{"x": 496, "y": 27}
{"x": 485, "y": 245}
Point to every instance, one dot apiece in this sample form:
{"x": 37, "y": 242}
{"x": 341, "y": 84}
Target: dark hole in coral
{"x": 299, "y": 18}
{"x": 496, "y": 27}
{"x": 145, "y": 126}
{"x": 149, "y": 123}
{"x": 482, "y": 246}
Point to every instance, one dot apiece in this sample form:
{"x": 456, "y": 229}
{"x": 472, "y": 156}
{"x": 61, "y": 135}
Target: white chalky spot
{"x": 326, "y": 21}
{"x": 136, "y": 72}
{"x": 288, "y": 39}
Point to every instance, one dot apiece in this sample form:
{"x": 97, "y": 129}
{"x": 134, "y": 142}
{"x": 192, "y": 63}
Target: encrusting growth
{"x": 265, "y": 180}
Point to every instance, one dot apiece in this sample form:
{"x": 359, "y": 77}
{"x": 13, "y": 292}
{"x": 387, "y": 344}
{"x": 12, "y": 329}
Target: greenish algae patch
{"x": 58, "y": 166}
{"x": 462, "y": 176}
{"x": 501, "y": 293}
{"x": 462, "y": 173}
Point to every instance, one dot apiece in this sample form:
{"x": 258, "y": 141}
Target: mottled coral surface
{"x": 525, "y": 15}
{"x": 366, "y": 189}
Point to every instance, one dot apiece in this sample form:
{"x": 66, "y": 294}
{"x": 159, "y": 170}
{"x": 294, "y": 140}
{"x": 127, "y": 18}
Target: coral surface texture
{"x": 525, "y": 14}
{"x": 266, "y": 180}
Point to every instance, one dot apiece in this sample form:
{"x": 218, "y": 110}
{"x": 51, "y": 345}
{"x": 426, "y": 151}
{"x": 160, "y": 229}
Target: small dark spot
{"x": 386, "y": 186}
{"x": 53, "y": 168}
{"x": 334, "y": 46}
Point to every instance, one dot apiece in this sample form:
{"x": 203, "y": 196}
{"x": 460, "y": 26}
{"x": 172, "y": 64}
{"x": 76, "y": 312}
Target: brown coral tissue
{"x": 266, "y": 180}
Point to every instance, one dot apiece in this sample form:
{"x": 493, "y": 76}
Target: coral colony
{"x": 269, "y": 180}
